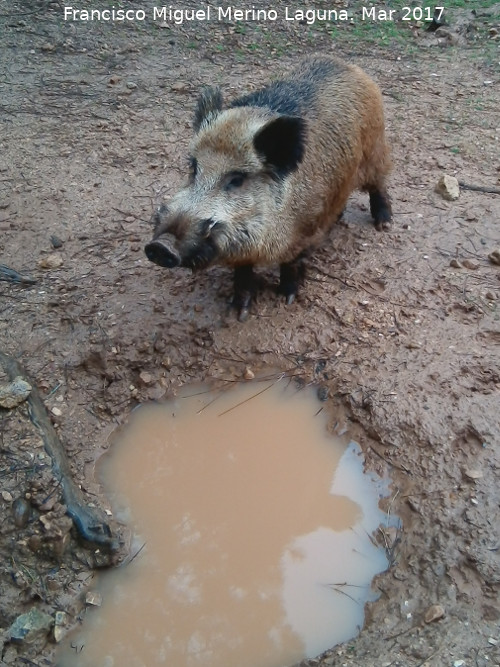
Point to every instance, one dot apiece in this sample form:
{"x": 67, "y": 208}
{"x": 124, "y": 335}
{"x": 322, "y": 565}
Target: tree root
{"x": 89, "y": 524}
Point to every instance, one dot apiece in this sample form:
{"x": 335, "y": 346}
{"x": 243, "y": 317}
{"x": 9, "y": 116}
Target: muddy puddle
{"x": 252, "y": 525}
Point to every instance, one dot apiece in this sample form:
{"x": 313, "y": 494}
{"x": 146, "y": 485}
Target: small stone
{"x": 7, "y": 496}
{"x": 30, "y": 626}
{"x": 145, "y": 377}
{"x": 21, "y": 510}
{"x": 455, "y": 264}
{"x": 494, "y": 257}
{"x": 492, "y": 641}
{"x": 448, "y": 187}
{"x": 34, "y": 543}
{"x": 434, "y": 613}
{"x": 248, "y": 374}
{"x": 52, "y": 261}
{"x": 471, "y": 214}
{"x": 473, "y": 474}
{"x": 47, "y": 47}
{"x": 49, "y": 503}
{"x": 459, "y": 663}
{"x": 179, "y": 86}
{"x": 322, "y": 393}
{"x": 448, "y": 37}
{"x": 93, "y": 598}
{"x": 14, "y": 393}
{"x": 469, "y": 264}
{"x": 131, "y": 85}
{"x": 55, "y": 241}
{"x": 57, "y": 412}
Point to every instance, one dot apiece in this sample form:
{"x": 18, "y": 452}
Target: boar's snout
{"x": 162, "y": 254}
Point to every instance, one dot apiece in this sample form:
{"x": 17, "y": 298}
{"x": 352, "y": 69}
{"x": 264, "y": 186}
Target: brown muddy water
{"x": 254, "y": 522}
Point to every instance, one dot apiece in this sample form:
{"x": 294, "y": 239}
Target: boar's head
{"x": 240, "y": 162}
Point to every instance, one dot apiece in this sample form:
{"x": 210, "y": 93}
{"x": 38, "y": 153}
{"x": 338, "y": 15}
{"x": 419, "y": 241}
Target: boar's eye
{"x": 235, "y": 180}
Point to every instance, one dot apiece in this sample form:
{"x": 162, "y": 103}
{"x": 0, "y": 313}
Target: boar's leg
{"x": 380, "y": 208}
{"x": 244, "y": 290}
{"x": 291, "y": 275}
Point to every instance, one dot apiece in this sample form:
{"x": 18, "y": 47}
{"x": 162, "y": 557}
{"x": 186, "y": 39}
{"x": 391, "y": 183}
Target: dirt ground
{"x": 401, "y": 329}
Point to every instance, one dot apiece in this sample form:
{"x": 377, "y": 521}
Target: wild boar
{"x": 272, "y": 172}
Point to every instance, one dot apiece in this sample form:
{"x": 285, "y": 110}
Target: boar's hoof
{"x": 243, "y": 314}
{"x": 380, "y": 208}
{"x": 291, "y": 276}
{"x": 242, "y": 301}
{"x": 289, "y": 291}
{"x": 244, "y": 290}
{"x": 159, "y": 253}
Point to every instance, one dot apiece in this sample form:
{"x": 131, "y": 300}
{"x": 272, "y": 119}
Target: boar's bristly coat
{"x": 272, "y": 171}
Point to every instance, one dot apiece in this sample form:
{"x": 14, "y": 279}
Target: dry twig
{"x": 479, "y": 188}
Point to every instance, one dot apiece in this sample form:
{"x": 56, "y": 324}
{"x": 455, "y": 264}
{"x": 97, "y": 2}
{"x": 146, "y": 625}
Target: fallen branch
{"x": 479, "y": 188}
{"x": 12, "y": 276}
{"x": 87, "y": 521}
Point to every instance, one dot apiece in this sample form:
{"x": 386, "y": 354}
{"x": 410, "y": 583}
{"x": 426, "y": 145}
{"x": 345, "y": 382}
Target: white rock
{"x": 59, "y": 633}
{"x": 248, "y": 374}
{"x": 60, "y": 622}
{"x": 448, "y": 187}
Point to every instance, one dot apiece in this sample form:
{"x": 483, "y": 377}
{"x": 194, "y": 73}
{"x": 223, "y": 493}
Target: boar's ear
{"x": 281, "y": 144}
{"x": 209, "y": 104}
